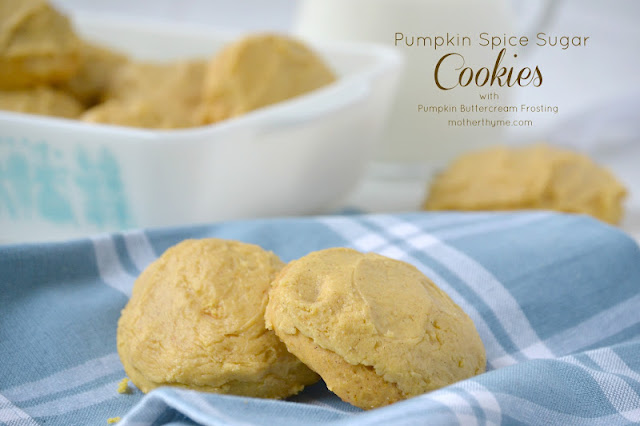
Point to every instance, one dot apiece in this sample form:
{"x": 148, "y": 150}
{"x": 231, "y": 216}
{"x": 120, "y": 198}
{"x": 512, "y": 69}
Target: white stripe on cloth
{"x": 452, "y": 221}
{"x": 529, "y": 412}
{"x": 139, "y": 248}
{"x": 352, "y": 233}
{"x": 412, "y": 412}
{"x": 458, "y": 405}
{"x": 65, "y": 379}
{"x": 485, "y": 399}
{"x": 479, "y": 280}
{"x": 620, "y": 395}
{"x": 14, "y": 416}
{"x": 327, "y": 407}
{"x": 145, "y": 412}
{"x": 398, "y": 228}
{"x": 502, "y": 304}
{"x": 157, "y": 403}
{"x": 486, "y": 227}
{"x": 609, "y": 361}
{"x": 608, "y": 322}
{"x": 68, "y": 403}
{"x": 205, "y": 411}
{"x": 494, "y": 349}
{"x": 110, "y": 269}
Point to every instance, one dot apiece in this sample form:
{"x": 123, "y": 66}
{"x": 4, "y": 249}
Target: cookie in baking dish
{"x": 257, "y": 71}
{"x": 196, "y": 320}
{"x": 40, "y": 100}
{"x": 376, "y": 329}
{"x": 37, "y": 45}
{"x": 149, "y": 95}
{"x": 98, "y": 66}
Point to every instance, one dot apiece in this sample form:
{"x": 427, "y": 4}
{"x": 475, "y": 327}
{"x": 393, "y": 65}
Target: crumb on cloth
{"x": 123, "y": 386}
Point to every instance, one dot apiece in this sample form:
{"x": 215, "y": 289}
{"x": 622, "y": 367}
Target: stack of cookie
{"x": 38, "y": 51}
{"x": 229, "y": 317}
{"x": 45, "y": 68}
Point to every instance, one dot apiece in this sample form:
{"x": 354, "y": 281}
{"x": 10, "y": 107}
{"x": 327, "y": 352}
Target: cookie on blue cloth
{"x": 376, "y": 329}
{"x": 196, "y": 320}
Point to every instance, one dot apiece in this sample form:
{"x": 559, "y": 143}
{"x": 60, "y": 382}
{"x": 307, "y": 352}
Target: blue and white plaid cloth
{"x": 555, "y": 298}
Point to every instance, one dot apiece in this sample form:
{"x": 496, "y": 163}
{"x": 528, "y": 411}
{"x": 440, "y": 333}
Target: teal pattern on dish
{"x": 41, "y": 182}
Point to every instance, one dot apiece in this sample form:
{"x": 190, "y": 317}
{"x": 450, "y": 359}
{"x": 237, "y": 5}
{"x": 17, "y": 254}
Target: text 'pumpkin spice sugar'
{"x": 376, "y": 329}
{"x": 196, "y": 320}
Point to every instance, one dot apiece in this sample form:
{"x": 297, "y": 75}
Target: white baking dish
{"x": 62, "y": 178}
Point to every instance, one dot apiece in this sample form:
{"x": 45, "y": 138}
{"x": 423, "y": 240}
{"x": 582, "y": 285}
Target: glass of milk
{"x": 429, "y": 125}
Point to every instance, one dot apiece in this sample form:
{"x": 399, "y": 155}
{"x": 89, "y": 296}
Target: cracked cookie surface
{"x": 196, "y": 320}
{"x": 376, "y": 329}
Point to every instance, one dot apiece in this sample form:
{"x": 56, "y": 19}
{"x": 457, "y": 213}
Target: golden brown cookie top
{"x": 379, "y": 312}
{"x": 33, "y": 26}
{"x": 260, "y": 70}
{"x": 40, "y": 100}
{"x": 178, "y": 82}
{"x": 532, "y": 177}
{"x": 196, "y": 319}
{"x": 148, "y": 95}
{"x": 98, "y": 66}
{"x": 140, "y": 112}
{"x": 37, "y": 44}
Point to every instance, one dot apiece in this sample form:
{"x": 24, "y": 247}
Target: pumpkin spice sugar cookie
{"x": 257, "y": 71}
{"x": 40, "y": 100}
{"x": 149, "y": 95}
{"x": 98, "y": 66}
{"x": 37, "y": 45}
{"x": 531, "y": 177}
{"x": 376, "y": 329}
{"x": 196, "y": 320}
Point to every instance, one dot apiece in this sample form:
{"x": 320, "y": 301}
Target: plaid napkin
{"x": 555, "y": 298}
